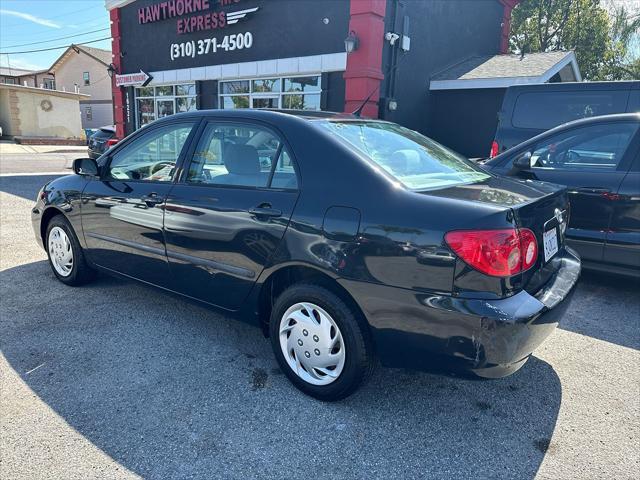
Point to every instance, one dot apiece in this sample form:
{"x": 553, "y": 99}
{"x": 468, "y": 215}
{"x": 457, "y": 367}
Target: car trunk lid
{"x": 540, "y": 207}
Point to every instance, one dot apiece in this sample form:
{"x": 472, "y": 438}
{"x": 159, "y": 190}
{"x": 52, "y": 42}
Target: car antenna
{"x": 358, "y": 111}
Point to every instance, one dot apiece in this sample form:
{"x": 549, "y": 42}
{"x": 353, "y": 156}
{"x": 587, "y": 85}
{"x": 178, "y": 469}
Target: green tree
{"x": 625, "y": 35}
{"x": 599, "y": 39}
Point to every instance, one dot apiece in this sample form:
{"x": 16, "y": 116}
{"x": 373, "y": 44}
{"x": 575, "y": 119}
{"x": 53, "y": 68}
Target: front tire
{"x": 66, "y": 257}
{"x": 319, "y": 343}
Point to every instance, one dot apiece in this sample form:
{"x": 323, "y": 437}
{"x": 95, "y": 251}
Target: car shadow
{"x": 25, "y": 186}
{"x": 606, "y": 307}
{"x": 170, "y": 389}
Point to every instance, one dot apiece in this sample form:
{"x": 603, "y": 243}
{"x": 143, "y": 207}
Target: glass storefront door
{"x": 266, "y": 102}
{"x": 165, "y": 108}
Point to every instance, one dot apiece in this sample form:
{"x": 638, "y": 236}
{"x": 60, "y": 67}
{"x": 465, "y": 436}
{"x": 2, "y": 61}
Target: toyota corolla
{"x": 346, "y": 240}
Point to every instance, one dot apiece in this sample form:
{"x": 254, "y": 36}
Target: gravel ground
{"x": 116, "y": 380}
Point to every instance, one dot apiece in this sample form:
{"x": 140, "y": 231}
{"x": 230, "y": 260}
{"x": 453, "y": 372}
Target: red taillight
{"x": 494, "y": 149}
{"x": 111, "y": 142}
{"x": 499, "y": 253}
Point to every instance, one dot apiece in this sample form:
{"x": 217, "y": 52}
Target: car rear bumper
{"x": 488, "y": 338}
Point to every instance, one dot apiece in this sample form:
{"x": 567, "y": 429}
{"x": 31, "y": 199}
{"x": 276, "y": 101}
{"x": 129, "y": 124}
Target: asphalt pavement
{"x": 29, "y": 159}
{"x": 118, "y": 380}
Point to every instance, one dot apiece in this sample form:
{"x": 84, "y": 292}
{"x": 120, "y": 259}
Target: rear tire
{"x": 66, "y": 256}
{"x": 319, "y": 343}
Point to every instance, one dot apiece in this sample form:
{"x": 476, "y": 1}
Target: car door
{"x": 122, "y": 212}
{"x": 623, "y": 236}
{"x": 227, "y": 216}
{"x": 591, "y": 161}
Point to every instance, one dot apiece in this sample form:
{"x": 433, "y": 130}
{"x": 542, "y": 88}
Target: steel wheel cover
{"x": 312, "y": 344}
{"x": 60, "y": 251}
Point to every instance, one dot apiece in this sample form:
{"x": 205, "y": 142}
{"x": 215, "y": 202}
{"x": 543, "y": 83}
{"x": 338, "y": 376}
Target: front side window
{"x": 414, "y": 160}
{"x": 597, "y": 147}
{"x": 152, "y": 156}
{"x": 85, "y": 78}
{"x": 240, "y": 155}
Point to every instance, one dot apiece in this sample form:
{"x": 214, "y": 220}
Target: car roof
{"x": 266, "y": 114}
{"x": 616, "y": 117}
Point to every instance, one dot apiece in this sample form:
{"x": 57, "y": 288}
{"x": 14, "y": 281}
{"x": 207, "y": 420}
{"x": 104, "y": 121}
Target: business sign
{"x": 193, "y": 15}
{"x": 128, "y": 79}
{"x": 159, "y": 35}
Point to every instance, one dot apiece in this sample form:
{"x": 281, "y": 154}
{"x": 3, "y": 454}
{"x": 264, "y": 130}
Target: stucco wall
{"x": 70, "y": 73}
{"x": 101, "y": 114}
{"x": 25, "y": 112}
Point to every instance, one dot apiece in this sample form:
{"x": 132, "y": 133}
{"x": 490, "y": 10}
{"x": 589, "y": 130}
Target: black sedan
{"x": 103, "y": 139}
{"x": 344, "y": 239}
{"x": 598, "y": 159}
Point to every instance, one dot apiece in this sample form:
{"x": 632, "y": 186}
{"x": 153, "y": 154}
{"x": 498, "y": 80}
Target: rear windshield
{"x": 103, "y": 134}
{"x": 544, "y": 110}
{"x": 414, "y": 160}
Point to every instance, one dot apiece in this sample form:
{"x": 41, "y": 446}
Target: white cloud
{"x": 17, "y": 62}
{"x": 30, "y": 18}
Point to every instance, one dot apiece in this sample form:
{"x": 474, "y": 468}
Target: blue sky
{"x": 29, "y": 21}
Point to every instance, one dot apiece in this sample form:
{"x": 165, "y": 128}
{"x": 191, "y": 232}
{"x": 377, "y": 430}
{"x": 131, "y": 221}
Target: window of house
{"x": 85, "y": 78}
{"x": 164, "y": 100}
{"x": 286, "y": 92}
{"x": 49, "y": 84}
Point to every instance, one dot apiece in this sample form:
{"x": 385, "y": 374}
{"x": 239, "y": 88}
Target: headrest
{"x": 404, "y": 161}
{"x": 241, "y": 159}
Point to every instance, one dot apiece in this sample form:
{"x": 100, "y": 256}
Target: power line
{"x": 55, "y": 48}
{"x": 58, "y": 38}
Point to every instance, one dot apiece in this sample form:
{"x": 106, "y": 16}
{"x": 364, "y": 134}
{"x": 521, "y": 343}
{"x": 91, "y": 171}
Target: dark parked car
{"x": 344, "y": 239}
{"x": 597, "y": 158}
{"x": 101, "y": 141}
{"x": 529, "y": 110}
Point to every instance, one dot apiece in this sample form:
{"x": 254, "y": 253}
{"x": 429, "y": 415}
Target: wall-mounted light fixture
{"x": 351, "y": 42}
{"x": 111, "y": 70}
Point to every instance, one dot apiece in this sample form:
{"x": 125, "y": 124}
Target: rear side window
{"x": 241, "y": 155}
{"x": 597, "y": 147}
{"x": 544, "y": 110}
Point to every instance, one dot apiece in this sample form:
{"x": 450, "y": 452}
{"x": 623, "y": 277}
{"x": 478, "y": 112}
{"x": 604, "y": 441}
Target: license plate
{"x": 550, "y": 241}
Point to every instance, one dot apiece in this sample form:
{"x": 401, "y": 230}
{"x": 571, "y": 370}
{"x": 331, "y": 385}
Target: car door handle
{"x": 151, "y": 200}
{"x": 265, "y": 210}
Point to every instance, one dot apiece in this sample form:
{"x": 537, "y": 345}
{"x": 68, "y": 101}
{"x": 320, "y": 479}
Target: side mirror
{"x": 85, "y": 166}
{"x": 522, "y": 161}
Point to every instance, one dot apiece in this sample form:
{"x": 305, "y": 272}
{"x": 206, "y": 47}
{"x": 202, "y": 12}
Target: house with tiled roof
{"x": 83, "y": 69}
{"x": 27, "y": 78}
